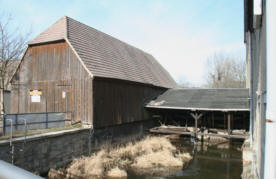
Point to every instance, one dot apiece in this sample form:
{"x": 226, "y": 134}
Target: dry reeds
{"x": 162, "y": 158}
{"x": 116, "y": 173}
{"x": 151, "y": 152}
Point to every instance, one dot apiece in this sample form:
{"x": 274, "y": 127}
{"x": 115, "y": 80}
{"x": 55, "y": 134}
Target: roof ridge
{"x": 66, "y": 27}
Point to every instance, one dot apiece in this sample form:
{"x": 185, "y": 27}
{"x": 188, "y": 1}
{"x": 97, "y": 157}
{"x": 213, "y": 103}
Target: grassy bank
{"x": 149, "y": 155}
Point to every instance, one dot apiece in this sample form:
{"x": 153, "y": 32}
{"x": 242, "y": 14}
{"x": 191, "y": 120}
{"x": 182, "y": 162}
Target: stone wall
{"x": 247, "y": 159}
{"x": 41, "y": 152}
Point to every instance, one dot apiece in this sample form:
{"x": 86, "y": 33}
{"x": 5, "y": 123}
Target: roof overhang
{"x": 46, "y": 42}
{"x": 201, "y": 99}
{"x": 196, "y": 109}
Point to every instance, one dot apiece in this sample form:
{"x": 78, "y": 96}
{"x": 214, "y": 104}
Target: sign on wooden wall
{"x": 35, "y": 96}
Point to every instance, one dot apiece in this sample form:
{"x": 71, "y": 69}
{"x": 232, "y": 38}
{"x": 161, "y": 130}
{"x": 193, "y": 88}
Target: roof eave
{"x": 79, "y": 58}
{"x": 46, "y": 42}
{"x": 198, "y": 109}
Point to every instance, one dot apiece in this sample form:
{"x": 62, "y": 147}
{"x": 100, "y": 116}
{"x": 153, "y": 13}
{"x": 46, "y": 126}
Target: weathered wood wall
{"x": 53, "y": 69}
{"x": 117, "y": 102}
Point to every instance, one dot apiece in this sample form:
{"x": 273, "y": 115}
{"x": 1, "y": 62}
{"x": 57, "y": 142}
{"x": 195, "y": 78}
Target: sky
{"x": 180, "y": 34}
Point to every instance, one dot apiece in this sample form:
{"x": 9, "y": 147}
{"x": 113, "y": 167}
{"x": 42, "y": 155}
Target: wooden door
{"x": 64, "y": 99}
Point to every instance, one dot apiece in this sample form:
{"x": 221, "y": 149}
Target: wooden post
{"x": 224, "y": 121}
{"x": 186, "y": 125}
{"x": 195, "y": 129}
{"x": 196, "y": 117}
{"x": 47, "y": 120}
{"x": 233, "y": 121}
{"x": 229, "y": 123}
{"x": 213, "y": 120}
{"x": 243, "y": 121}
{"x": 16, "y": 121}
{"x": 4, "y": 124}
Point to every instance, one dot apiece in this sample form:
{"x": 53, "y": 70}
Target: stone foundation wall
{"x": 41, "y": 152}
{"x": 247, "y": 158}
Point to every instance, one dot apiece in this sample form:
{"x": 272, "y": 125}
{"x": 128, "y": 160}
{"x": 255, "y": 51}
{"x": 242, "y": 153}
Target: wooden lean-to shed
{"x": 222, "y": 108}
{"x": 98, "y": 78}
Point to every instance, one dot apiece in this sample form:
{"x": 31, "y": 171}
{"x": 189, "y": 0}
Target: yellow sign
{"x": 35, "y": 93}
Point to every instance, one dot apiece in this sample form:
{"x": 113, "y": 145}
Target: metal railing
{"x": 13, "y": 122}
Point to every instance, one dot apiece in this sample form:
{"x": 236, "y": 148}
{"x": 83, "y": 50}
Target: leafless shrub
{"x": 12, "y": 47}
{"x": 151, "y": 152}
{"x": 226, "y": 71}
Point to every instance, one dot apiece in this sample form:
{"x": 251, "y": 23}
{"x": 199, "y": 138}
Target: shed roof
{"x": 203, "y": 99}
{"x": 106, "y": 56}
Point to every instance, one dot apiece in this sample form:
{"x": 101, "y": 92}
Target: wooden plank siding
{"x": 53, "y": 68}
{"x": 117, "y": 101}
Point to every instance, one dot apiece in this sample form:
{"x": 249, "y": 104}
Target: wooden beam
{"x": 181, "y": 130}
{"x": 196, "y": 116}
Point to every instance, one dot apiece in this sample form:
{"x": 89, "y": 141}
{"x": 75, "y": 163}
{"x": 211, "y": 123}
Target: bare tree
{"x": 183, "y": 83}
{"x": 12, "y": 46}
{"x": 226, "y": 71}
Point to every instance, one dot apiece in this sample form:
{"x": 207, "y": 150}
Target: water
{"x": 223, "y": 161}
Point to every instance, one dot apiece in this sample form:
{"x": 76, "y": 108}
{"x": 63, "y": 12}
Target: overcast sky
{"x": 180, "y": 34}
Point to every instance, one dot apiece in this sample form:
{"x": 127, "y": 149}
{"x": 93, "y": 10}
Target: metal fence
{"x": 19, "y": 122}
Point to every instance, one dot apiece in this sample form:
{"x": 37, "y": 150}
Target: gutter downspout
{"x": 250, "y": 55}
{"x": 270, "y": 144}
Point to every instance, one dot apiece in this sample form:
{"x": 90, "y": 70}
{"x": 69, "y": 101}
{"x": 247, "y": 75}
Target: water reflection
{"x": 210, "y": 161}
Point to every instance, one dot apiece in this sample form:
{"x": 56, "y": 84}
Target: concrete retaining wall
{"x": 41, "y": 152}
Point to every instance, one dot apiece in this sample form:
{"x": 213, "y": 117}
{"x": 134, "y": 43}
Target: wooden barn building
{"x": 100, "y": 80}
